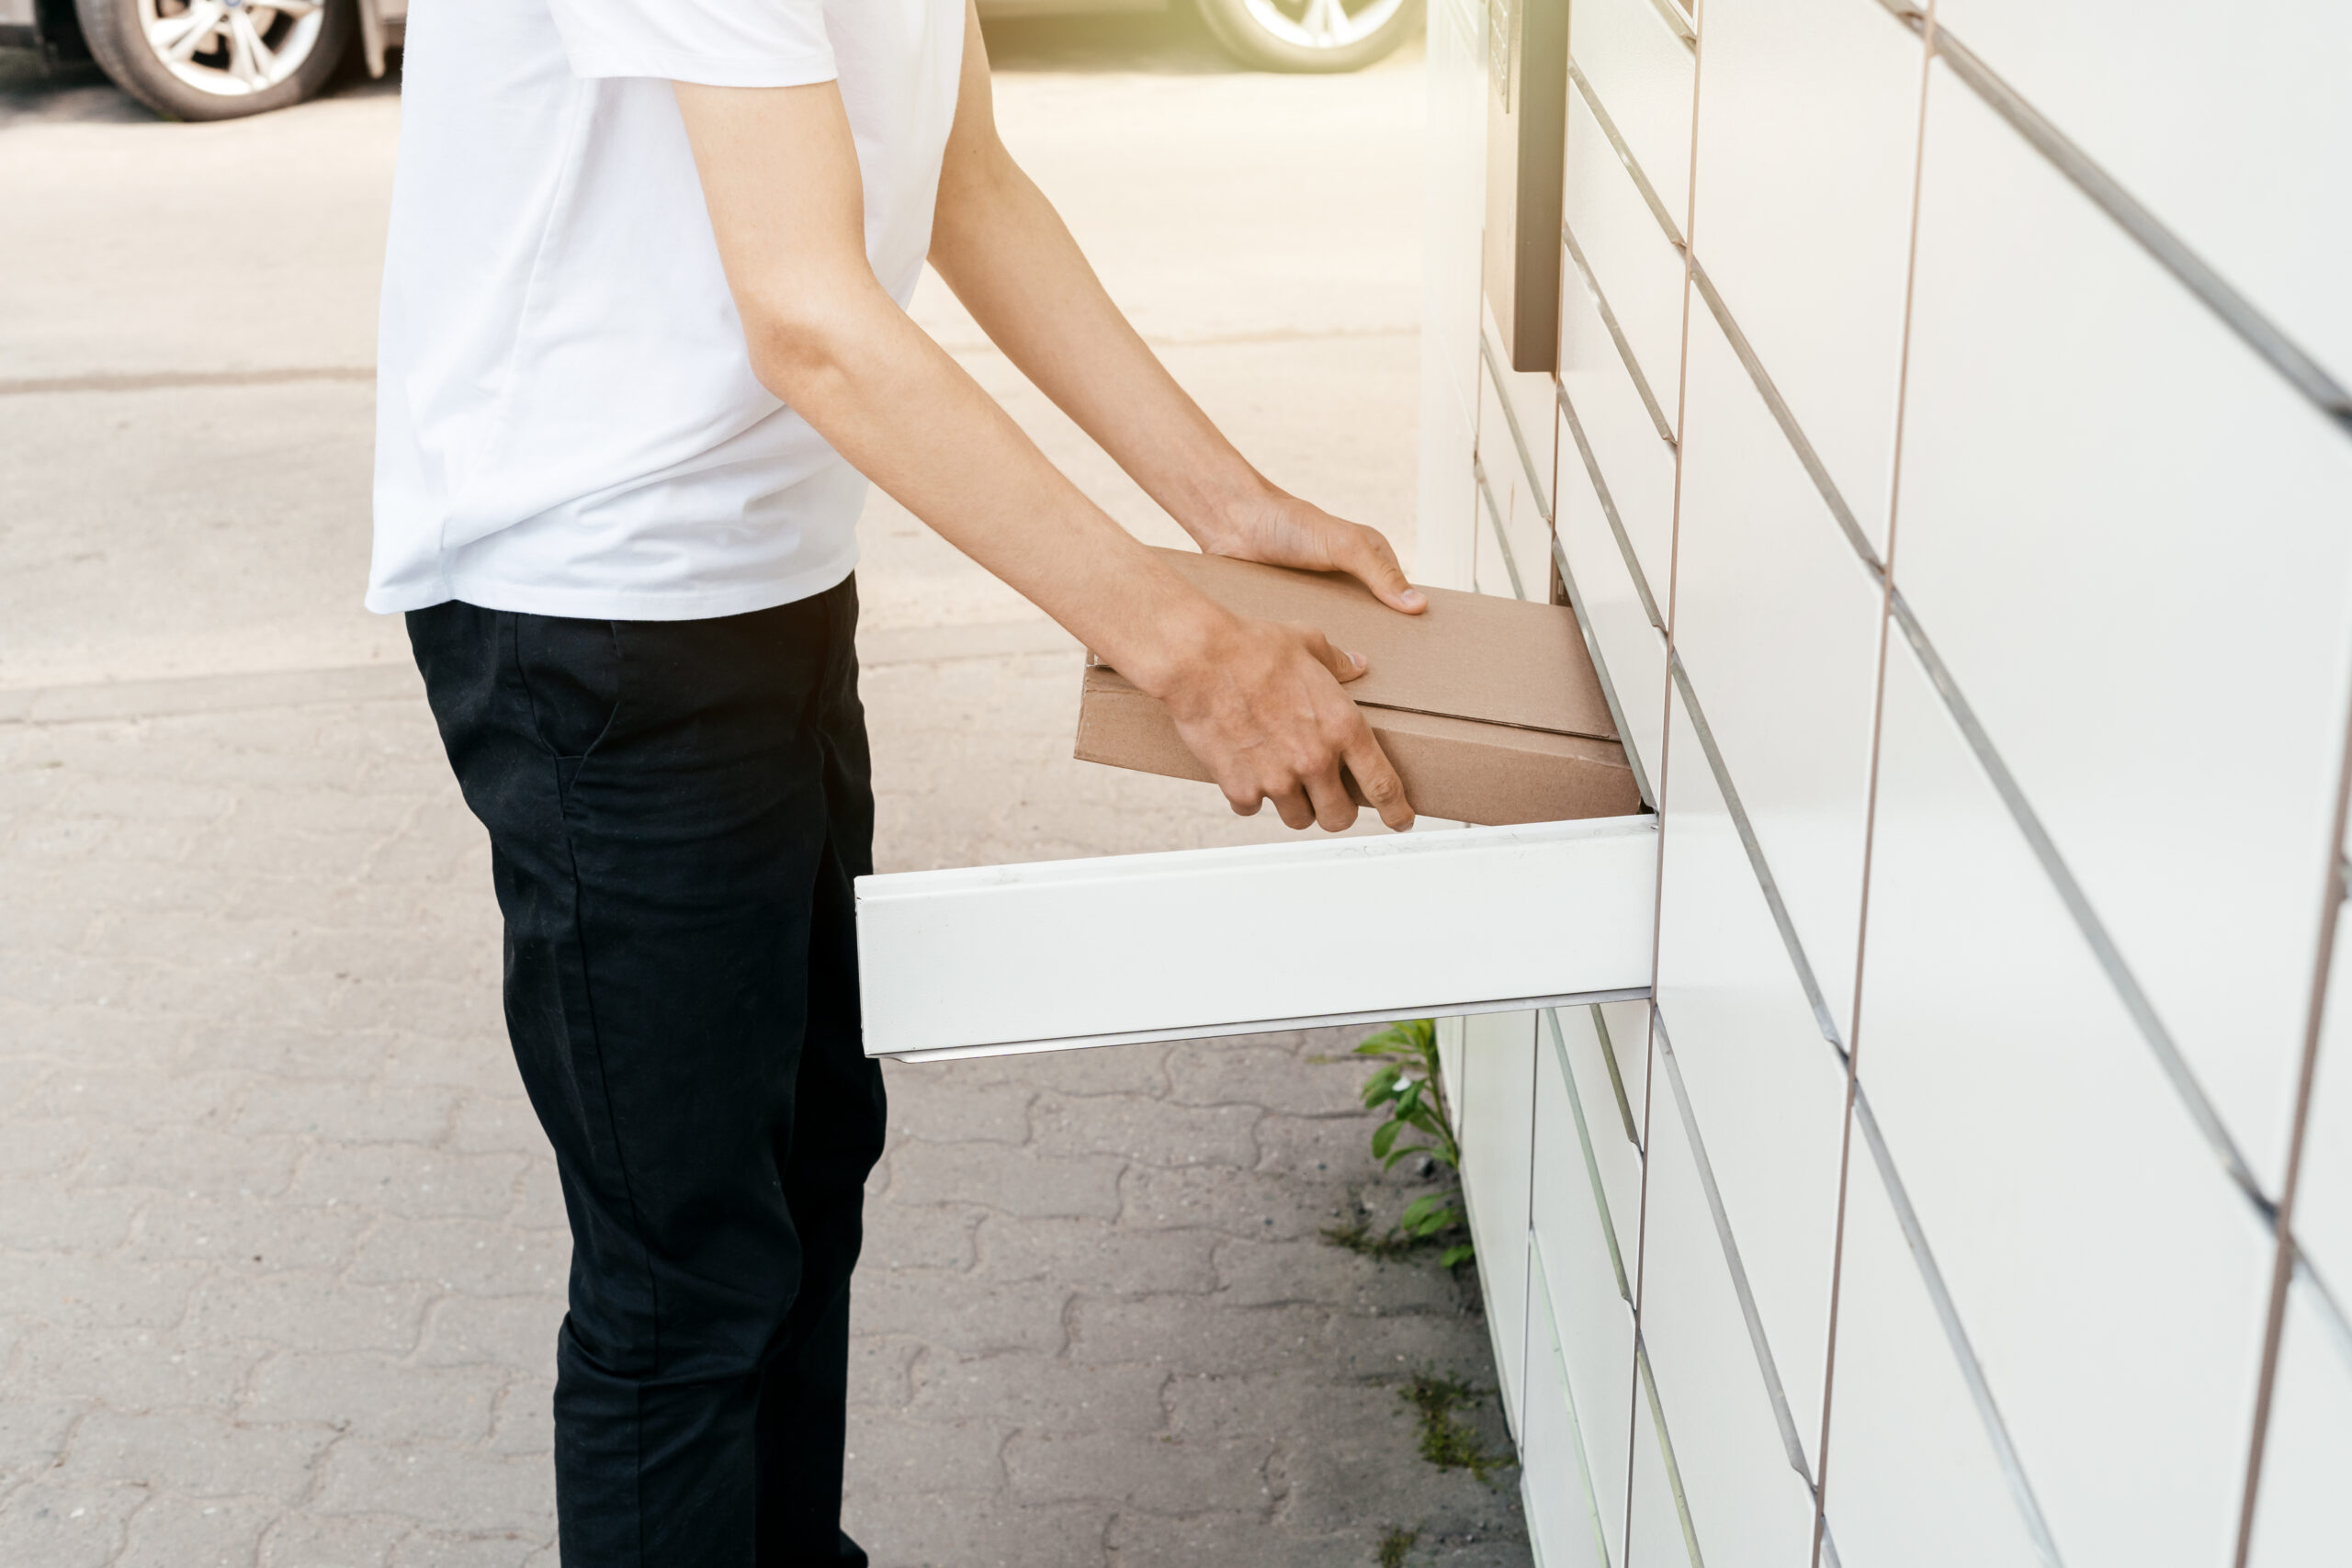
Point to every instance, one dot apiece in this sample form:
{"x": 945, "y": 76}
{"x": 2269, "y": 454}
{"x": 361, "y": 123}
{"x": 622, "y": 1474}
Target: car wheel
{"x": 1311, "y": 35}
{"x": 217, "y": 59}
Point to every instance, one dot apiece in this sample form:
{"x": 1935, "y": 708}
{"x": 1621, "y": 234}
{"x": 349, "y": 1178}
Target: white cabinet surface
{"x": 1805, "y": 218}
{"x": 1913, "y": 1481}
{"x": 2114, "y": 522}
{"x": 2303, "y": 1517}
{"x": 1634, "y": 463}
{"x": 1766, "y": 1090}
{"x": 1634, "y": 265}
{"x": 1641, "y": 71}
{"x": 1498, "y": 1094}
{"x": 2113, "y": 1279}
{"x": 1630, "y": 650}
{"x": 2251, "y": 177}
{"x": 1777, "y": 625}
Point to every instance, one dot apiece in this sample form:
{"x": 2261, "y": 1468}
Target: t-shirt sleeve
{"x": 718, "y": 43}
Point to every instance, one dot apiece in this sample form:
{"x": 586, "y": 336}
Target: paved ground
{"x": 280, "y": 1252}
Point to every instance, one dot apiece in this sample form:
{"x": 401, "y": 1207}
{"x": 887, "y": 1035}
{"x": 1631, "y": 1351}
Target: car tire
{"x": 1311, "y": 35}
{"x": 212, "y": 59}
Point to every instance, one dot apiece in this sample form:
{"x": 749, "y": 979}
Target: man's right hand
{"x": 1259, "y": 703}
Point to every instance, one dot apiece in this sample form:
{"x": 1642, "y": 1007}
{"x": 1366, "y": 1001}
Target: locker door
{"x": 1196, "y": 943}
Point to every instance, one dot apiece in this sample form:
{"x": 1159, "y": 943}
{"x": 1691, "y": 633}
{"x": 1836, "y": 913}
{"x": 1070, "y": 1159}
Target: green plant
{"x": 1394, "y": 1545}
{"x": 1406, "y": 1089}
{"x": 1448, "y": 1441}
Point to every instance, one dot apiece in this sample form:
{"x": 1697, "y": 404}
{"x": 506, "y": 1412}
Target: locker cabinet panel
{"x": 1519, "y": 502}
{"x": 1634, "y": 463}
{"x": 1634, "y": 266}
{"x": 2112, "y": 1278}
{"x": 1766, "y": 1091}
{"x": 1746, "y": 1505}
{"x": 1497, "y": 1096}
{"x": 2324, "y": 1199}
{"x": 2303, "y": 1517}
{"x": 1555, "y": 1482}
{"x": 1631, "y": 650}
{"x": 1591, "y": 1317}
{"x": 1913, "y": 1480}
{"x": 1777, "y": 624}
{"x": 2116, "y": 523}
{"x": 1526, "y": 440}
{"x": 1805, "y": 218}
{"x": 1642, "y": 72}
{"x": 1654, "y": 1534}
{"x": 1612, "y": 1103}
{"x": 2252, "y": 179}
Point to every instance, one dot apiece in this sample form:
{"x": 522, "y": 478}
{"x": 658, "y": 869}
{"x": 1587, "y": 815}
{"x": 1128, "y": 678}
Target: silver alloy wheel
{"x": 1320, "y": 24}
{"x": 232, "y": 48}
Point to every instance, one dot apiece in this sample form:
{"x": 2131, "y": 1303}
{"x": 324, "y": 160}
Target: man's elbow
{"x": 802, "y": 349}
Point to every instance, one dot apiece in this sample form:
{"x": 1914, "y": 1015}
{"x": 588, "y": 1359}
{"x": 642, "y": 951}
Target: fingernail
{"x": 1356, "y": 660}
{"x": 1411, "y": 598}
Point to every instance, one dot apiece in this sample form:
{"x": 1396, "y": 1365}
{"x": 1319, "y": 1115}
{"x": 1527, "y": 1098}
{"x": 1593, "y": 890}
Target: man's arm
{"x": 1258, "y": 703}
{"x": 1003, "y": 248}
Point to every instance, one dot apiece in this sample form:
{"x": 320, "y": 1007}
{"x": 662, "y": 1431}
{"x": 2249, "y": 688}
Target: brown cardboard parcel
{"x": 1489, "y": 709}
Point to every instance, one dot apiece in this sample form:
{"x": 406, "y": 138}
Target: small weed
{"x": 1406, "y": 1090}
{"x": 1394, "y": 1544}
{"x": 1448, "y": 1441}
{"x": 1394, "y": 1248}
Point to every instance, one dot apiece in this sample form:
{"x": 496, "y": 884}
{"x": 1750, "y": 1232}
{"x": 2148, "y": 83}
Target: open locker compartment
{"x": 1203, "y": 943}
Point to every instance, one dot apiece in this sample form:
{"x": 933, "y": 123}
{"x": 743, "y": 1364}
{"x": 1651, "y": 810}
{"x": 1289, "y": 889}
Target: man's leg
{"x": 661, "y": 806}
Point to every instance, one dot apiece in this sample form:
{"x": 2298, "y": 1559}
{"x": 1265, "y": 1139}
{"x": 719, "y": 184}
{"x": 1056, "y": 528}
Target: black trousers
{"x": 675, "y": 813}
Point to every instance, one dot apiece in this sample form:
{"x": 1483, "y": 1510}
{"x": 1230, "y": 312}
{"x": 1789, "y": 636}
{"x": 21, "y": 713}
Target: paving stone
{"x": 372, "y": 1397}
{"x": 248, "y": 1230}
{"x": 190, "y": 1532}
{"x": 508, "y": 1331}
{"x": 193, "y": 1161}
{"x": 1013, "y": 1181}
{"x": 409, "y": 1179}
{"x": 944, "y": 1110}
{"x": 1319, "y": 1149}
{"x": 32, "y": 1431}
{"x": 975, "y": 1317}
{"x": 139, "y": 1097}
{"x": 1039, "y": 1392}
{"x": 40, "y": 1216}
{"x": 1272, "y": 1076}
{"x": 880, "y": 1368}
{"x": 132, "y": 1369}
{"x": 1161, "y": 1473}
{"x": 335, "y": 1110}
{"x": 1235, "y": 1202}
{"x": 428, "y": 1550}
{"x": 95, "y": 1292}
{"x": 900, "y": 1457}
{"x": 47, "y": 1150}
{"x": 312, "y": 1312}
{"x": 523, "y": 1419}
{"x": 976, "y": 1529}
{"x": 305, "y": 1540}
{"x": 538, "y": 1198}
{"x": 1096, "y": 1256}
{"x": 58, "y": 1523}
{"x": 447, "y": 1488}
{"x": 1141, "y": 1539}
{"x": 487, "y": 1124}
{"x": 1176, "y": 1333}
{"x": 920, "y": 1236}
{"x": 1152, "y": 1131}
{"x": 478, "y": 1258}
{"x": 193, "y": 1453}
{"x": 1269, "y": 1273}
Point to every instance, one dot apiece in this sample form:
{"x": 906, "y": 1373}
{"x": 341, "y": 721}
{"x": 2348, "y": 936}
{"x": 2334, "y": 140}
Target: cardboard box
{"x": 1489, "y": 709}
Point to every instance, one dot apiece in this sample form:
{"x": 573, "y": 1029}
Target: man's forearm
{"x": 999, "y": 244}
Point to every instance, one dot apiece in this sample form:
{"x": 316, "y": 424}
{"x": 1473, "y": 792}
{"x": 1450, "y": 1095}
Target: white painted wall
{"x": 1953, "y": 400}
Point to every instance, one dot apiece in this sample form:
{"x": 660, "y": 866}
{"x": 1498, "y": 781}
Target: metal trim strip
{"x": 1609, "y": 508}
{"x": 1616, "y": 333}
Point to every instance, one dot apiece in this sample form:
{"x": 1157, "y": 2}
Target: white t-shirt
{"x": 567, "y": 423}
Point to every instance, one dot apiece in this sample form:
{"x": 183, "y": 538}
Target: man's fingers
{"x": 1335, "y": 809}
{"x": 1383, "y": 790}
{"x": 1342, "y": 666}
{"x": 1292, "y": 806}
{"x": 1367, "y": 559}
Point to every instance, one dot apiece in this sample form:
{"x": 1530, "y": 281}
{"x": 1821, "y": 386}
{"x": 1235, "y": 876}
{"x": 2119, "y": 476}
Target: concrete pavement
{"x": 280, "y": 1250}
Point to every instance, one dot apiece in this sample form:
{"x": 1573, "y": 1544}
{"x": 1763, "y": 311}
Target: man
{"x": 643, "y": 345}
